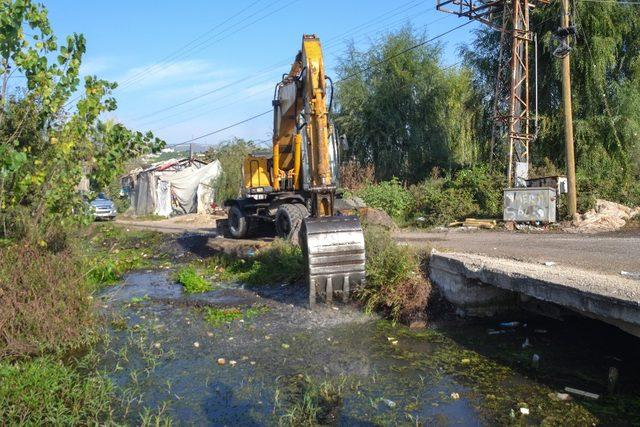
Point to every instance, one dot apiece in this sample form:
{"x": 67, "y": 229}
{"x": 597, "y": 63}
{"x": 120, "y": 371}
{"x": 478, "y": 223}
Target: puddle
{"x": 391, "y": 375}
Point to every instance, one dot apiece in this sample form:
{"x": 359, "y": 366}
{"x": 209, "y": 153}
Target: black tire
{"x": 288, "y": 221}
{"x": 237, "y": 223}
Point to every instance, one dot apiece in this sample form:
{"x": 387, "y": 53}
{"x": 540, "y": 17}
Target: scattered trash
{"x": 535, "y": 361}
{"x": 582, "y": 393}
{"x": 612, "y": 379}
{"x": 285, "y": 346}
{"x": 252, "y": 362}
{"x": 455, "y": 396}
{"x": 221, "y": 361}
{"x": 390, "y": 338}
{"x": 232, "y": 362}
{"x": 540, "y": 331}
{"x": 526, "y": 343}
{"x": 389, "y": 403}
{"x": 496, "y": 332}
{"x": 209, "y": 334}
{"x": 196, "y": 344}
{"x": 394, "y": 342}
{"x": 524, "y": 411}
{"x": 549, "y": 263}
{"x": 421, "y": 219}
{"x": 466, "y": 361}
{"x": 509, "y": 324}
{"x": 156, "y": 345}
{"x": 630, "y": 274}
{"x": 563, "y": 396}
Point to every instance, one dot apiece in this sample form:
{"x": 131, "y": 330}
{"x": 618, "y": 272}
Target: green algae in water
{"x": 495, "y": 388}
{"x": 219, "y": 316}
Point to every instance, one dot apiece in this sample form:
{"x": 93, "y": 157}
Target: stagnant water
{"x": 164, "y": 354}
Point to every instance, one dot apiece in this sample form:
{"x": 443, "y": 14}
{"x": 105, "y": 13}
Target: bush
{"x": 390, "y": 196}
{"x": 471, "y": 193}
{"x": 45, "y": 304}
{"x": 43, "y": 391}
{"x": 354, "y": 176}
{"x": 395, "y": 283}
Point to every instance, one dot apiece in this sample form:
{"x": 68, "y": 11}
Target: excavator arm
{"x": 305, "y": 159}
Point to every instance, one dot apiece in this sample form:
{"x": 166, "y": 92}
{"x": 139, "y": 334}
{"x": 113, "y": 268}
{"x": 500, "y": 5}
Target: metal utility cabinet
{"x": 530, "y": 204}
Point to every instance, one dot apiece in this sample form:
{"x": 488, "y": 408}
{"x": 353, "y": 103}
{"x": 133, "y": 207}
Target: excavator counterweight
{"x": 294, "y": 187}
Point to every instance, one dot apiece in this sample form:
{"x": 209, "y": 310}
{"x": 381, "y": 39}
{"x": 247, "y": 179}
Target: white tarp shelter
{"x": 188, "y": 190}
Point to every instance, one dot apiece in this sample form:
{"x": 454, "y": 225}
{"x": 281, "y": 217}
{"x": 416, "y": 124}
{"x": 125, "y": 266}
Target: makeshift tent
{"x": 184, "y": 185}
{"x": 176, "y": 186}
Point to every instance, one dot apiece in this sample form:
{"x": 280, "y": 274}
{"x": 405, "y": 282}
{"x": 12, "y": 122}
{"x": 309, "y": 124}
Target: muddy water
{"x": 164, "y": 354}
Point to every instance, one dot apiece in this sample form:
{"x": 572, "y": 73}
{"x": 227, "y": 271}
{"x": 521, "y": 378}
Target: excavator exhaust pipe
{"x": 335, "y": 255}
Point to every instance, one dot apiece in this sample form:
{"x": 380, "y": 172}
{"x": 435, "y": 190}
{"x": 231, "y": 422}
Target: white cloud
{"x": 170, "y": 73}
{"x": 96, "y": 65}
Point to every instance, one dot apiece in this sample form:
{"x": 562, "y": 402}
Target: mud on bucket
{"x": 335, "y": 255}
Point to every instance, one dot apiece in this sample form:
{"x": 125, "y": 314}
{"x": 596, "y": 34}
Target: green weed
{"x": 281, "y": 262}
{"x": 192, "y": 281}
{"x": 218, "y": 316}
{"x": 300, "y": 401}
{"x": 43, "y": 391}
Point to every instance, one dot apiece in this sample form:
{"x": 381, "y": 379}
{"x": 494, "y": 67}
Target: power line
{"x": 223, "y": 129}
{"x": 178, "y": 51}
{"x": 415, "y": 46}
{"x": 336, "y": 39}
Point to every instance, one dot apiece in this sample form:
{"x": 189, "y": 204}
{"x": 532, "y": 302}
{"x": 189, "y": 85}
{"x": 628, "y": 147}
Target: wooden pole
{"x": 568, "y": 121}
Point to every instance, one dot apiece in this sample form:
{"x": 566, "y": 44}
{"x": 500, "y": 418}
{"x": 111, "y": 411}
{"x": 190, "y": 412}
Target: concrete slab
{"x": 467, "y": 280}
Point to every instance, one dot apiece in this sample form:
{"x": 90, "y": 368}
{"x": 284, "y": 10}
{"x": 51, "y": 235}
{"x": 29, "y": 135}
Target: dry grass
{"x": 45, "y": 305}
{"x": 355, "y": 176}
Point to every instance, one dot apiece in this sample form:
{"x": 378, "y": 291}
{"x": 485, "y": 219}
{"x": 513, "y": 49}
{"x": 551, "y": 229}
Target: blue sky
{"x": 164, "y": 53}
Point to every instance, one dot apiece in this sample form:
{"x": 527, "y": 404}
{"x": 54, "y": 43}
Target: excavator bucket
{"x": 335, "y": 255}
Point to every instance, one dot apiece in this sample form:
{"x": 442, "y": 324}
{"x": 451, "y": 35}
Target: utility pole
{"x": 568, "y": 118}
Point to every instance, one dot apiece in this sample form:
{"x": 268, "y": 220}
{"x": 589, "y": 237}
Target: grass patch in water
{"x": 44, "y": 391}
{"x": 218, "y": 316}
{"x": 301, "y": 401}
{"x": 192, "y": 282}
{"x": 280, "y": 262}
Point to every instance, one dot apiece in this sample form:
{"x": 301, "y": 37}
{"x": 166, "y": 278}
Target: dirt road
{"x": 607, "y": 253}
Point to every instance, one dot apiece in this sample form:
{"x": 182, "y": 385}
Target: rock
{"x": 196, "y": 344}
{"x": 371, "y": 216}
{"x": 524, "y": 411}
{"x": 418, "y": 324}
{"x": 455, "y": 396}
{"x": 221, "y": 361}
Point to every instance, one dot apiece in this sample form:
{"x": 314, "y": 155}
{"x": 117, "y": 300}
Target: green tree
{"x": 46, "y": 146}
{"x": 605, "y": 73}
{"x": 404, "y": 112}
{"x": 231, "y": 154}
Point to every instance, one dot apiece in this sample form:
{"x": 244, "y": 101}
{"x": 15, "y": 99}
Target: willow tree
{"x": 403, "y": 111}
{"x": 605, "y": 73}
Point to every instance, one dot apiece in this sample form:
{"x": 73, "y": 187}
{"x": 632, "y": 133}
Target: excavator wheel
{"x": 238, "y": 223}
{"x": 288, "y": 220}
{"x": 334, "y": 250}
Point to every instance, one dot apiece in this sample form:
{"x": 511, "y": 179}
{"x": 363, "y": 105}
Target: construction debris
{"x": 488, "y": 224}
{"x": 607, "y": 216}
{"x": 582, "y": 393}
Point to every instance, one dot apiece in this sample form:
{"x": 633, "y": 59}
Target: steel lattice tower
{"x": 511, "y": 133}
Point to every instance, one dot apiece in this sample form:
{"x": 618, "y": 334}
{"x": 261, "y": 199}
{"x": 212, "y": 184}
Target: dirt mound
{"x": 607, "y": 216}
{"x": 371, "y": 216}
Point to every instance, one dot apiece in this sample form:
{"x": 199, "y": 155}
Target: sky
{"x": 228, "y": 55}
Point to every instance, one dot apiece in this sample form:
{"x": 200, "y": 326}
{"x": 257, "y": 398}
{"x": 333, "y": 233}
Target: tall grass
{"x": 395, "y": 283}
{"x": 44, "y": 303}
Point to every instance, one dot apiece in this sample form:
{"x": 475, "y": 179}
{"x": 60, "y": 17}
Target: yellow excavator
{"x": 294, "y": 187}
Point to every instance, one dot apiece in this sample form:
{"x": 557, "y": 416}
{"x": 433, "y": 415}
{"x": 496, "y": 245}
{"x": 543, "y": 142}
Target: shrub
{"x": 390, "y": 196}
{"x": 43, "y": 391}
{"x": 436, "y": 204}
{"x": 193, "y": 283}
{"x": 45, "y": 305}
{"x": 395, "y": 283}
